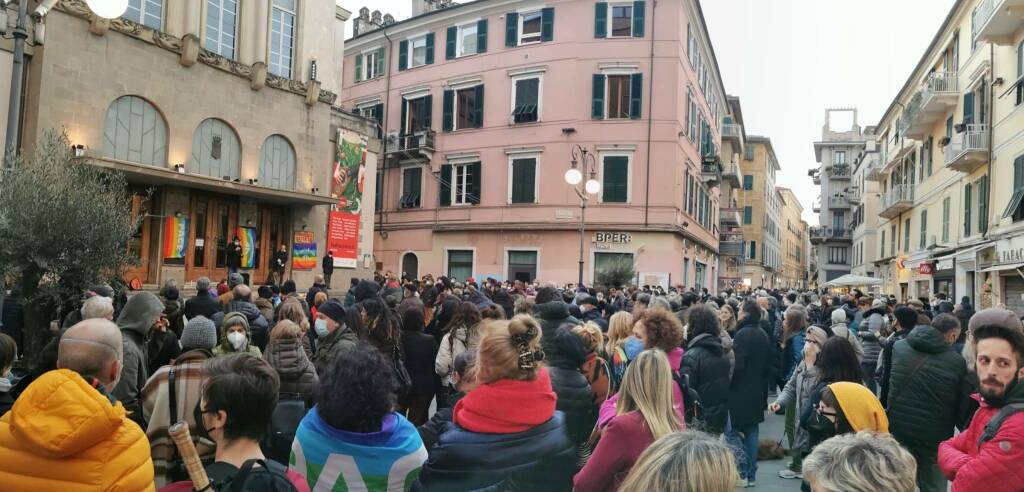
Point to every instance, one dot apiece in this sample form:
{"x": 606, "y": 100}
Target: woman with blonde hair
{"x": 506, "y": 433}
{"x": 643, "y": 414}
{"x": 687, "y": 461}
{"x": 595, "y": 367}
{"x": 620, "y": 329}
{"x": 291, "y": 310}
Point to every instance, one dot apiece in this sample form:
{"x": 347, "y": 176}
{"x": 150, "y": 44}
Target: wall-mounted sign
{"x": 927, "y": 268}
{"x": 613, "y": 237}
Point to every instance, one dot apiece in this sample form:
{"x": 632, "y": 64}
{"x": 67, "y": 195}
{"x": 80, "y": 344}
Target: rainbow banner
{"x": 304, "y": 251}
{"x": 247, "y": 237}
{"x": 175, "y": 237}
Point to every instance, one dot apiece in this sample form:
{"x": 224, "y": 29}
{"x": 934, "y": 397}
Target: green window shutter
{"x": 748, "y": 215}
{"x": 511, "y": 29}
{"x": 638, "y": 19}
{"x": 968, "y": 108}
{"x": 359, "y": 68}
{"x": 753, "y": 250}
{"x": 416, "y": 189}
{"x": 924, "y": 229}
{"x": 600, "y": 20}
{"x": 380, "y": 60}
{"x": 446, "y": 185}
{"x": 478, "y": 106}
{"x": 616, "y": 179}
{"x": 636, "y": 91}
{"x": 403, "y": 55}
{"x": 748, "y": 182}
{"x": 474, "y": 183}
{"x": 547, "y": 24}
{"x": 378, "y": 114}
{"x": 450, "y": 40}
{"x": 481, "y": 36}
{"x": 597, "y": 102}
{"x": 405, "y": 112}
{"x": 430, "y": 48}
{"x": 945, "y": 219}
{"x": 983, "y": 206}
{"x": 523, "y": 180}
{"x": 967, "y": 210}
{"x": 447, "y": 109}
{"x": 428, "y": 112}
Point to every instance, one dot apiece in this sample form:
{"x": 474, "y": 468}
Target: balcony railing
{"x": 730, "y": 215}
{"x": 898, "y": 200}
{"x": 968, "y": 150}
{"x": 838, "y": 201}
{"x": 731, "y": 173}
{"x": 937, "y": 96}
{"x": 730, "y": 248}
{"x": 821, "y": 234}
{"x": 839, "y": 171}
{"x": 415, "y": 145}
{"x": 854, "y": 196}
{"x": 733, "y": 133}
{"x": 996, "y": 21}
{"x": 711, "y": 170}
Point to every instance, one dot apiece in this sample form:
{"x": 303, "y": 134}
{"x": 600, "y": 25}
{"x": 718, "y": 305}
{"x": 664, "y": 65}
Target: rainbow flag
{"x": 247, "y": 237}
{"x": 303, "y": 251}
{"x": 175, "y": 236}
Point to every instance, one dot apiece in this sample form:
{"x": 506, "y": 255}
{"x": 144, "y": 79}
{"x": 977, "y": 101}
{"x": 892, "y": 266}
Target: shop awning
{"x": 1000, "y": 268}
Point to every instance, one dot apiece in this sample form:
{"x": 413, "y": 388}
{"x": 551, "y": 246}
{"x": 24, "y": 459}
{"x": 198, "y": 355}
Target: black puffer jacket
{"x": 575, "y": 398}
{"x": 298, "y": 376}
{"x": 540, "y": 459}
{"x": 551, "y": 316}
{"x": 924, "y": 407}
{"x": 595, "y": 316}
{"x": 707, "y": 368}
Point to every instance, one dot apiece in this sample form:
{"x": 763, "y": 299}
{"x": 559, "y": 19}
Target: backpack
{"x": 693, "y": 411}
{"x": 992, "y": 427}
{"x": 271, "y": 476}
{"x": 277, "y": 443}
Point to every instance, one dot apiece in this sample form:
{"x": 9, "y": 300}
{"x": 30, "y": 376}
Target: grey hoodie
{"x": 137, "y": 317}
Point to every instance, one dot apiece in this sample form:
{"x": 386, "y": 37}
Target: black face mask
{"x": 201, "y": 429}
{"x": 820, "y": 427}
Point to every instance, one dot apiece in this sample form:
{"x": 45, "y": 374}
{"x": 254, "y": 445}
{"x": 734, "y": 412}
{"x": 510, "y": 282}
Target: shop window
{"x": 522, "y": 265}
{"x": 460, "y": 264}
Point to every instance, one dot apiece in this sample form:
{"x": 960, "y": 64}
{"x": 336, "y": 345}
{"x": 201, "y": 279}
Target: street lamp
{"x": 582, "y": 162}
{"x": 108, "y": 9}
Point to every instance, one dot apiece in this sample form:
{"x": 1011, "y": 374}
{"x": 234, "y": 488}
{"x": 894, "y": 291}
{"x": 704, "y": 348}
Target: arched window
{"x": 277, "y": 163}
{"x": 410, "y": 265}
{"x": 135, "y": 131}
{"x": 216, "y": 150}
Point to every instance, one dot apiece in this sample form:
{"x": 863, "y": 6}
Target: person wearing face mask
{"x": 139, "y": 317}
{"x": 67, "y": 432}
{"x": 8, "y": 352}
{"x": 234, "y": 255}
{"x": 235, "y": 336}
{"x": 987, "y": 455}
{"x": 334, "y": 336}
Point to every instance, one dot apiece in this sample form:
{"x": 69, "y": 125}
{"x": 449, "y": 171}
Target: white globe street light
{"x": 592, "y": 186}
{"x": 108, "y": 9}
{"x": 573, "y": 176}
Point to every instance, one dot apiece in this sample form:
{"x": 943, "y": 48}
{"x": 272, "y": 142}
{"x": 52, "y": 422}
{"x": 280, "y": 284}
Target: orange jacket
{"x": 62, "y": 434}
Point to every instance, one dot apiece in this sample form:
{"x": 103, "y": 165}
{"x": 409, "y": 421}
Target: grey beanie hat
{"x": 199, "y": 332}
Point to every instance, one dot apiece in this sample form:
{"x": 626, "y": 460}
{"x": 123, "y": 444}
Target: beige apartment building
{"x": 795, "y": 263}
{"x": 762, "y": 208}
{"x": 951, "y": 164}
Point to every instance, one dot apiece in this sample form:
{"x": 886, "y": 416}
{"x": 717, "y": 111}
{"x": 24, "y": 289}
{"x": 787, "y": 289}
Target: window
{"x": 698, "y": 277}
{"x": 615, "y": 179}
{"x": 523, "y": 180}
{"x": 748, "y": 215}
{"x": 618, "y": 96}
{"x": 467, "y": 39}
{"x": 221, "y": 21}
{"x": 530, "y": 27}
{"x": 416, "y": 115}
{"x": 692, "y": 116}
{"x": 374, "y": 112}
{"x": 967, "y": 209}
{"x": 378, "y": 203}
{"x": 892, "y": 240}
{"x": 930, "y": 147}
{"x": 282, "y": 37}
{"x": 627, "y": 19}
{"x": 837, "y": 255}
{"x": 839, "y": 157}
{"x": 460, "y": 184}
{"x": 983, "y": 204}
{"x": 881, "y": 245}
{"x": 460, "y": 264}
{"x": 753, "y": 250}
{"x": 370, "y": 65}
{"x": 522, "y": 265}
{"x": 604, "y": 262}
{"x": 467, "y": 44}
{"x": 412, "y": 179}
{"x": 134, "y": 130}
{"x": 906, "y": 234}
{"x": 146, "y": 12}
{"x": 216, "y": 150}
{"x": 945, "y": 220}
{"x": 463, "y": 108}
{"x": 748, "y": 182}
{"x": 277, "y": 163}
{"x": 526, "y": 100}
{"x": 1020, "y": 72}
{"x": 418, "y": 54}
{"x": 622, "y": 20}
{"x": 1014, "y": 209}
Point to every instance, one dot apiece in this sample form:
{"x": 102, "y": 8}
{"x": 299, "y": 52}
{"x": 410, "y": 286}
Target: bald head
{"x": 92, "y": 348}
{"x": 242, "y": 292}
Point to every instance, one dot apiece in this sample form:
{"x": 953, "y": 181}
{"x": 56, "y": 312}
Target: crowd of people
{"x": 424, "y": 384}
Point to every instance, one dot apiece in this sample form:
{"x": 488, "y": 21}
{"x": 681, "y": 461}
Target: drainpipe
{"x": 384, "y": 132}
{"x": 991, "y": 132}
{"x": 650, "y": 119}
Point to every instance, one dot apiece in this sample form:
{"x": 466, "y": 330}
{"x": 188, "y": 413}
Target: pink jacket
{"x": 996, "y": 466}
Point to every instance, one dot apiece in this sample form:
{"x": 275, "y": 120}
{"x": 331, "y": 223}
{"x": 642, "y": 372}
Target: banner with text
{"x": 347, "y": 187}
{"x": 303, "y": 251}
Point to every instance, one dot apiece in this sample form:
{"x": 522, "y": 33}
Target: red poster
{"x": 347, "y": 187}
{"x": 927, "y": 268}
{"x": 343, "y": 238}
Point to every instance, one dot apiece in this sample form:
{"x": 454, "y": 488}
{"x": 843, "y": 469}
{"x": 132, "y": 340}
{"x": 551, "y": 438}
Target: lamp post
{"x": 583, "y": 161}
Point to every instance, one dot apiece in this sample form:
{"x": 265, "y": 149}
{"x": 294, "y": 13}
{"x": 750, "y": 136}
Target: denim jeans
{"x": 744, "y": 443}
{"x": 869, "y": 376}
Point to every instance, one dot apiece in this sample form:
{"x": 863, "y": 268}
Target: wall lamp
{"x": 253, "y": 180}
{"x": 78, "y": 150}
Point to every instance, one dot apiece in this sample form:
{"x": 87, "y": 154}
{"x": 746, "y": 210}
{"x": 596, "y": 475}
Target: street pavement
{"x": 768, "y": 471}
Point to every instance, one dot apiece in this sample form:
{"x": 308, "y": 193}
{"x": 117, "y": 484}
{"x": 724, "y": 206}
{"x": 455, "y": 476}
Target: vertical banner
{"x": 247, "y": 237}
{"x": 347, "y": 188}
{"x": 175, "y": 237}
{"x": 303, "y": 251}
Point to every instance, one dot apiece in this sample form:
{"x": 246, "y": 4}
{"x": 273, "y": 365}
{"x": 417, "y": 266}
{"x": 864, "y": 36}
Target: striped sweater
{"x": 332, "y": 459}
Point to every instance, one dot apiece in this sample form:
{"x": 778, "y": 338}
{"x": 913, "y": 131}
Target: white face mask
{"x": 237, "y": 340}
{"x": 320, "y": 326}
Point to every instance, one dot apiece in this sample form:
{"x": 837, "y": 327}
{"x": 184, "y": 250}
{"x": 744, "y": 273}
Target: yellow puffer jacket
{"x": 62, "y": 434}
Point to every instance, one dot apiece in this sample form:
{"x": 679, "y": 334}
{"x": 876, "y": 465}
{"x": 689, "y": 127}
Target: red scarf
{"x": 507, "y": 406}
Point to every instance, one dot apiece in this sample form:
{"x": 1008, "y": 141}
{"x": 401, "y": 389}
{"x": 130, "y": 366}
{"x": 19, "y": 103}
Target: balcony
{"x": 733, "y": 133}
{"x": 711, "y": 170}
{"x": 938, "y": 96}
{"x": 898, "y": 200}
{"x": 854, "y": 196}
{"x": 730, "y": 216}
{"x": 815, "y": 175}
{"x": 873, "y": 167}
{"x": 415, "y": 146}
{"x": 968, "y": 150}
{"x": 996, "y": 21}
{"x": 821, "y": 234}
{"x": 730, "y": 248}
{"x": 838, "y": 202}
{"x": 731, "y": 173}
{"x": 839, "y": 171}
{"x": 816, "y": 208}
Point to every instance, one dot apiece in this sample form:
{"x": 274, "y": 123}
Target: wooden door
{"x": 215, "y": 223}
{"x": 271, "y": 233}
{"x": 139, "y": 243}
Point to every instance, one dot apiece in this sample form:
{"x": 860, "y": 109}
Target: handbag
{"x": 402, "y": 378}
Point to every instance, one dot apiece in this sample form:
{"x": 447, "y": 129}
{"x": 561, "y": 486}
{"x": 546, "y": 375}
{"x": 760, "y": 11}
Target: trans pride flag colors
{"x": 175, "y": 236}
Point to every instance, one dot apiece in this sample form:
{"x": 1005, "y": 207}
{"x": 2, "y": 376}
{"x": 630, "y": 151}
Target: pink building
{"x": 481, "y": 105}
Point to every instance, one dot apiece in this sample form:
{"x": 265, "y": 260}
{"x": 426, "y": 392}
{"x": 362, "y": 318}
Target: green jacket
{"x": 924, "y": 407}
{"x": 225, "y": 348}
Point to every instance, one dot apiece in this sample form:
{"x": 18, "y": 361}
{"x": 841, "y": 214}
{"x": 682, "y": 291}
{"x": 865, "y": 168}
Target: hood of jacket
{"x": 569, "y": 352}
{"x": 287, "y": 356}
{"x": 708, "y": 342}
{"x": 364, "y": 290}
{"x": 552, "y": 311}
{"x": 61, "y": 415}
{"x": 745, "y": 322}
{"x": 480, "y": 300}
{"x": 247, "y": 308}
{"x": 262, "y": 303}
{"x": 879, "y": 311}
{"x": 140, "y": 313}
{"x": 233, "y": 318}
{"x": 926, "y": 339}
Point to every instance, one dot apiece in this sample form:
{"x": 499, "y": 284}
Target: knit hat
{"x": 860, "y": 407}
{"x": 995, "y": 316}
{"x": 332, "y": 309}
{"x": 199, "y": 332}
{"x": 915, "y": 303}
{"x": 838, "y": 316}
{"x": 234, "y": 318}
{"x": 816, "y": 334}
{"x": 222, "y": 289}
{"x": 235, "y": 279}
{"x": 877, "y": 304}
{"x": 365, "y": 289}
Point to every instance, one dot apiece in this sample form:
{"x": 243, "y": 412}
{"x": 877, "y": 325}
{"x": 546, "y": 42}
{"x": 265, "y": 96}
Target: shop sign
{"x": 613, "y": 237}
{"x": 945, "y": 264}
{"x": 927, "y": 268}
{"x": 1010, "y": 250}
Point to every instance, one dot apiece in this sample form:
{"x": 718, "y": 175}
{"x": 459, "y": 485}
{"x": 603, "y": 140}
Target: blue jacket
{"x": 792, "y": 354}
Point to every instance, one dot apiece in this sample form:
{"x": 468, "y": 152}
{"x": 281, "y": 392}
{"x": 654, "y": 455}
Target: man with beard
{"x": 988, "y": 454}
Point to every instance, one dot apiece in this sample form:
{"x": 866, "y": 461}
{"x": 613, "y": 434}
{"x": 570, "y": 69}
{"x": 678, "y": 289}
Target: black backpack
{"x": 693, "y": 411}
{"x": 289, "y": 412}
{"x": 992, "y": 427}
{"x": 270, "y": 476}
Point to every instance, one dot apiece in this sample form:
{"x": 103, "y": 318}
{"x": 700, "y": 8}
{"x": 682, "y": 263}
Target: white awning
{"x": 999, "y": 268}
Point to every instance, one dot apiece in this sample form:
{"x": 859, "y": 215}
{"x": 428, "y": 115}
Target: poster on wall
{"x": 175, "y": 237}
{"x": 347, "y": 187}
{"x": 247, "y": 238}
{"x": 303, "y": 251}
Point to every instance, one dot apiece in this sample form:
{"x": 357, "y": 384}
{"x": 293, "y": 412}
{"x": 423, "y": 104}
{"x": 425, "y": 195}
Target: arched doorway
{"x": 410, "y": 265}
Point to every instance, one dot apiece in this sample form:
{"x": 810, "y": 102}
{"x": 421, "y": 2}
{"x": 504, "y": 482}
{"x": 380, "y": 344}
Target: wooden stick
{"x": 183, "y": 440}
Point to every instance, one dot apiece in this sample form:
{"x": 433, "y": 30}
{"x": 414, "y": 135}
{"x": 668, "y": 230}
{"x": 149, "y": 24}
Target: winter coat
{"x": 575, "y": 398}
{"x": 332, "y": 346}
{"x": 452, "y": 344}
{"x": 995, "y": 465}
{"x": 798, "y": 389}
{"x": 64, "y": 433}
{"x": 203, "y": 304}
{"x": 174, "y": 310}
{"x": 327, "y": 265}
{"x": 312, "y": 292}
{"x": 420, "y": 351}
{"x": 266, "y": 308}
{"x": 442, "y": 418}
{"x": 792, "y": 354}
{"x": 6, "y": 397}
{"x": 234, "y": 255}
{"x": 871, "y": 328}
{"x": 259, "y": 328}
{"x": 135, "y": 321}
{"x": 748, "y": 389}
{"x": 884, "y": 368}
{"x": 707, "y": 370}
{"x": 162, "y": 348}
{"x": 594, "y": 315}
{"x": 726, "y": 340}
{"x": 296, "y": 371}
{"x": 924, "y": 408}
{"x": 552, "y": 315}
{"x": 841, "y": 330}
{"x": 622, "y": 442}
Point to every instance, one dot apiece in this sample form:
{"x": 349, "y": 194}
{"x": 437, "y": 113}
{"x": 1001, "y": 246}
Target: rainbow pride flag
{"x": 175, "y": 236}
{"x": 247, "y": 237}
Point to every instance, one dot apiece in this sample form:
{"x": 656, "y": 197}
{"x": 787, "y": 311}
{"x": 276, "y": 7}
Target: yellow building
{"x": 794, "y": 239}
{"x": 761, "y": 207}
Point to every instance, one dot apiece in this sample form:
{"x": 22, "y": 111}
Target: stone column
{"x": 192, "y": 17}
{"x": 259, "y": 30}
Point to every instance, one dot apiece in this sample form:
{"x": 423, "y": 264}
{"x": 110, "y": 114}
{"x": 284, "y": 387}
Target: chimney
{"x": 361, "y": 23}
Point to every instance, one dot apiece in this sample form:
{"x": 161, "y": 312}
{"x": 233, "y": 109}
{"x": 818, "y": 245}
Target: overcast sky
{"x": 788, "y": 60}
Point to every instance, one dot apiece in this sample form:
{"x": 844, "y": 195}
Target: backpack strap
{"x": 992, "y": 427}
{"x": 172, "y": 393}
